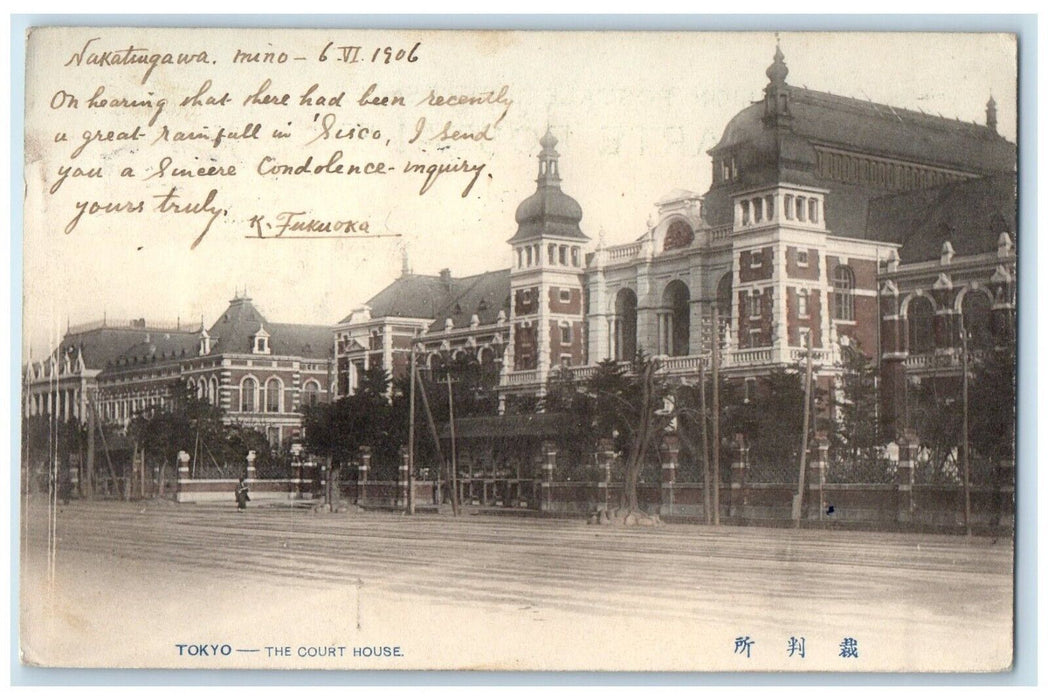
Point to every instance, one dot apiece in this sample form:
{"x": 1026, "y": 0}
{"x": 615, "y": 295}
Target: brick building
{"x": 260, "y": 373}
{"x": 854, "y": 223}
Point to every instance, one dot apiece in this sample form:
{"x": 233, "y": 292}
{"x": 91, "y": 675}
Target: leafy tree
{"x": 859, "y": 433}
{"x": 577, "y": 409}
{"x": 630, "y": 409}
{"x": 935, "y": 414}
{"x": 991, "y": 400}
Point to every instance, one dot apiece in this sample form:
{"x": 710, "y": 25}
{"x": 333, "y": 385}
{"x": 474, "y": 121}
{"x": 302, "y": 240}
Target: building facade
{"x": 831, "y": 221}
{"x": 838, "y": 220}
{"x": 259, "y": 373}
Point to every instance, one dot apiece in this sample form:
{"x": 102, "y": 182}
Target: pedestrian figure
{"x": 242, "y": 497}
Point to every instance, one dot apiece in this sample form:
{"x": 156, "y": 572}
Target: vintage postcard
{"x": 508, "y": 350}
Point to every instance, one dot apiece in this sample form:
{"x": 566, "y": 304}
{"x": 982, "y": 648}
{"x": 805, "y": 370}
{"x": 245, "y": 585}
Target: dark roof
{"x": 484, "y": 295}
{"x": 410, "y": 296}
{"x": 440, "y": 297}
{"x": 101, "y": 346}
{"x": 235, "y": 329}
{"x": 876, "y": 129}
{"x": 971, "y": 215}
{"x": 536, "y": 425}
{"x": 548, "y": 212}
{"x": 161, "y": 346}
{"x": 301, "y": 340}
{"x": 766, "y": 154}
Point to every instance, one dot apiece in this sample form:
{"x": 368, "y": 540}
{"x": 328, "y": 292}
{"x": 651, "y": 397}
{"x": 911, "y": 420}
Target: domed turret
{"x": 777, "y": 71}
{"x": 777, "y": 93}
{"x": 549, "y": 211}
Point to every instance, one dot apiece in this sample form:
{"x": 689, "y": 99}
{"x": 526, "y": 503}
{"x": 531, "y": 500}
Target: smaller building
{"x": 258, "y": 372}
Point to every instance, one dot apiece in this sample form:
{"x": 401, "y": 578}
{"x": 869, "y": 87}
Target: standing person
{"x": 242, "y": 497}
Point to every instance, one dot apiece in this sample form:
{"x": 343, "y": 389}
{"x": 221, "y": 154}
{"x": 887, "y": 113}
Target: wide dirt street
{"x": 160, "y": 585}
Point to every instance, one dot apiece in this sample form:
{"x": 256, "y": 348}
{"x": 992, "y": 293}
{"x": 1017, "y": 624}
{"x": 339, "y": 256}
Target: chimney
{"x": 445, "y": 278}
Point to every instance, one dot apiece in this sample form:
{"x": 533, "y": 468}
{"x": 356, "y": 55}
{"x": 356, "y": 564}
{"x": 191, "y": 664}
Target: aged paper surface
{"x": 170, "y": 170}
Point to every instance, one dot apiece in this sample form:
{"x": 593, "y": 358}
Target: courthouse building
{"x": 858, "y": 224}
{"x": 851, "y": 223}
{"x": 260, "y": 373}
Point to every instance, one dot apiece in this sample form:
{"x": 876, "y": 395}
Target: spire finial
{"x": 549, "y": 172}
{"x": 991, "y": 113}
{"x": 405, "y": 270}
{"x": 777, "y": 71}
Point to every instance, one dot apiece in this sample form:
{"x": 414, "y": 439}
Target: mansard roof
{"x": 484, "y": 295}
{"x": 861, "y": 126}
{"x": 970, "y": 215}
{"x": 104, "y": 345}
{"x": 235, "y": 330}
{"x": 438, "y": 297}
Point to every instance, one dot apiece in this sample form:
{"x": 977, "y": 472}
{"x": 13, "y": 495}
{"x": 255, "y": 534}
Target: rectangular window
{"x": 802, "y": 258}
{"x": 565, "y": 360}
{"x": 802, "y": 303}
{"x": 755, "y": 338}
{"x": 565, "y": 335}
{"x": 756, "y": 259}
{"x": 749, "y": 389}
{"x": 565, "y": 296}
{"x": 754, "y": 302}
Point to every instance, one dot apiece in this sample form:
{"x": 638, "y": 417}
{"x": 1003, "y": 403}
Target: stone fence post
{"x": 183, "y": 474}
{"x": 549, "y": 463}
{"x": 820, "y": 461}
{"x": 605, "y": 454}
{"x": 669, "y": 451}
{"x": 362, "y": 474}
{"x": 904, "y": 475}
{"x": 739, "y": 466}
{"x": 402, "y": 479}
{"x": 250, "y": 465}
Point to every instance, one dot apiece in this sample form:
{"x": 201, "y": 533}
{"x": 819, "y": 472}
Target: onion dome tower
{"x": 546, "y": 278}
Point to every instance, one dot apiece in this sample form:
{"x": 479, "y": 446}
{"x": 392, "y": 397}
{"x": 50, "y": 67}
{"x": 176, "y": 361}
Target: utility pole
{"x": 798, "y": 500}
{"x": 716, "y": 416}
{"x": 964, "y": 431}
{"x": 433, "y": 431}
{"x": 411, "y": 437}
{"x": 705, "y": 448}
{"x": 451, "y": 427}
{"x": 87, "y": 482}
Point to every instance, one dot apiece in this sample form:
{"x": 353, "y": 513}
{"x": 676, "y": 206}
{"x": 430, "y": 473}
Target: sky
{"x": 634, "y": 114}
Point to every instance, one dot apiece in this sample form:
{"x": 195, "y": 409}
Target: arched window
{"x": 843, "y": 293}
{"x": 624, "y": 326}
{"x": 248, "y": 391}
{"x": 310, "y": 393}
{"x": 724, "y": 298}
{"x": 675, "y": 321}
{"x": 975, "y": 309}
{"x": 213, "y": 385}
{"x": 920, "y": 317}
{"x": 274, "y": 394}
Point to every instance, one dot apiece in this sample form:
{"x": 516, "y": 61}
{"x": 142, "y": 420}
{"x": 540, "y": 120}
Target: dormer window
{"x": 260, "y": 342}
